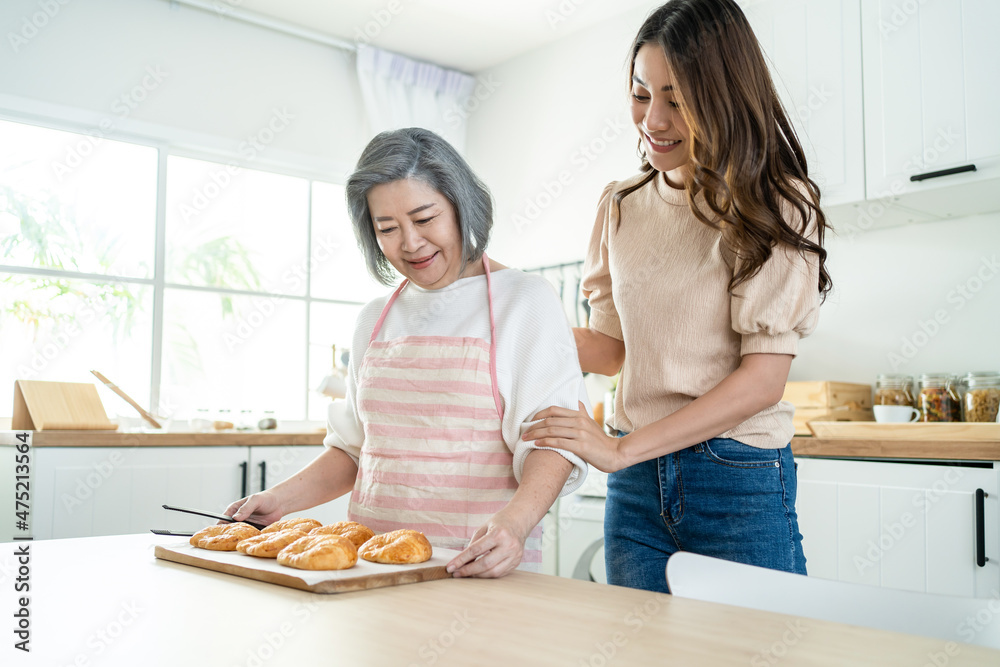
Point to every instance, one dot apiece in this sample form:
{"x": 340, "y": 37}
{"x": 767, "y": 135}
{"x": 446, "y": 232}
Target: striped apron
{"x": 434, "y": 458}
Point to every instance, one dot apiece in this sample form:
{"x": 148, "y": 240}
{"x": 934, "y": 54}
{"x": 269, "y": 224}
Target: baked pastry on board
{"x": 352, "y": 530}
{"x": 267, "y": 545}
{"x": 397, "y": 547}
{"x": 319, "y": 552}
{"x": 305, "y": 525}
{"x": 223, "y": 537}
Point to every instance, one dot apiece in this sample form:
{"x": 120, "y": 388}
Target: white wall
{"x": 551, "y": 101}
{"x": 220, "y": 79}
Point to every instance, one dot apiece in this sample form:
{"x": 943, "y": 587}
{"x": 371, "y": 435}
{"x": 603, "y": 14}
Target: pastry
{"x": 397, "y": 547}
{"x": 352, "y": 530}
{"x": 267, "y": 545}
{"x": 223, "y": 537}
{"x": 305, "y": 525}
{"x": 319, "y": 552}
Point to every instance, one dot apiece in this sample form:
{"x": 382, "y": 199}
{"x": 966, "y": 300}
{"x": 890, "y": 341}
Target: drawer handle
{"x": 981, "y": 528}
{"x": 944, "y": 172}
{"x": 243, "y": 482}
{"x": 263, "y": 475}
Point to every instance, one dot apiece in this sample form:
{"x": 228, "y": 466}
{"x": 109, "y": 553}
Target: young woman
{"x": 703, "y": 272}
{"x": 445, "y": 375}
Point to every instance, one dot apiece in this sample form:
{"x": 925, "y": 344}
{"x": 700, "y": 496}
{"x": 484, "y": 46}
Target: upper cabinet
{"x": 814, "y": 50}
{"x": 932, "y": 101}
{"x": 885, "y": 95}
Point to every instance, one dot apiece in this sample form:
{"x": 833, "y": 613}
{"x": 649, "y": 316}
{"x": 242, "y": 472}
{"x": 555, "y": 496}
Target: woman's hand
{"x": 577, "y": 432}
{"x": 496, "y": 549}
{"x": 263, "y": 508}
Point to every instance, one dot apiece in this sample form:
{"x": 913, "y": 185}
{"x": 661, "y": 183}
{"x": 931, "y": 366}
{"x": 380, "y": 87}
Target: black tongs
{"x": 220, "y": 517}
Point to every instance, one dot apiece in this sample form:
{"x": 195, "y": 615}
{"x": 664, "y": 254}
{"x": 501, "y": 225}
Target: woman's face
{"x": 656, "y": 112}
{"x": 417, "y": 231}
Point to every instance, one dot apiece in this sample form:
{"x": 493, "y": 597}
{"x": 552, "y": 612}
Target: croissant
{"x": 267, "y": 545}
{"x": 305, "y": 525}
{"x": 223, "y": 537}
{"x": 397, "y": 547}
{"x": 352, "y": 530}
{"x": 319, "y": 552}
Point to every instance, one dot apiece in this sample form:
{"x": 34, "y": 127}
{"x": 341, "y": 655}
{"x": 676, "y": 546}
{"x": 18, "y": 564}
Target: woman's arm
{"x": 499, "y": 544}
{"x": 599, "y": 353}
{"x": 757, "y": 384}
{"x": 330, "y": 475}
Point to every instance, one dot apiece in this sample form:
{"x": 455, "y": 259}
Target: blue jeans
{"x": 718, "y": 498}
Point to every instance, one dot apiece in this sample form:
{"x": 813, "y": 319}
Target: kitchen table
{"x": 108, "y": 601}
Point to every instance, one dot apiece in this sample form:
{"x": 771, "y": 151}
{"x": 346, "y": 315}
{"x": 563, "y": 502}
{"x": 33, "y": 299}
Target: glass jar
{"x": 982, "y": 397}
{"x": 937, "y": 399}
{"x": 894, "y": 390}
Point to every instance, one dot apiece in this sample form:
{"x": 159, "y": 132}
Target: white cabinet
{"x": 274, "y": 464}
{"x": 901, "y": 525}
{"x": 88, "y": 491}
{"x": 932, "y": 100}
{"x": 814, "y": 50}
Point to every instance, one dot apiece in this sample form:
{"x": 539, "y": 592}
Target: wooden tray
{"x": 362, "y": 576}
{"x": 939, "y": 431}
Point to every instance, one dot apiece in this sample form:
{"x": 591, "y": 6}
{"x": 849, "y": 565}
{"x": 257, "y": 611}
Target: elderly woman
{"x": 446, "y": 373}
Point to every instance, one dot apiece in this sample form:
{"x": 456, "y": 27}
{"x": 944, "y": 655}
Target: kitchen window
{"x": 259, "y": 276}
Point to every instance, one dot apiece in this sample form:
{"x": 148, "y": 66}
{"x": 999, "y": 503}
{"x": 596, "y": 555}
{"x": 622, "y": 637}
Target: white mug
{"x": 896, "y": 414}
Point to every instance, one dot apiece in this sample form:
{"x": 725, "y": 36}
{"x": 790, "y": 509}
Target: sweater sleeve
{"x": 778, "y": 306}
{"x": 343, "y": 426}
{"x": 596, "y": 284}
{"x": 540, "y": 370}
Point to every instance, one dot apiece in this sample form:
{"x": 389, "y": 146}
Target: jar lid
{"x": 935, "y": 377}
{"x": 982, "y": 378}
{"x": 893, "y": 377}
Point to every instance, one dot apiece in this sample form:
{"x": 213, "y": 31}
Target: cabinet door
{"x": 90, "y": 491}
{"x": 271, "y": 465}
{"x": 814, "y": 50}
{"x": 931, "y": 92}
{"x": 900, "y": 525}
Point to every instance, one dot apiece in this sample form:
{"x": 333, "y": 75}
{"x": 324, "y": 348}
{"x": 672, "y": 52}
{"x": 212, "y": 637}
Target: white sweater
{"x": 537, "y": 364}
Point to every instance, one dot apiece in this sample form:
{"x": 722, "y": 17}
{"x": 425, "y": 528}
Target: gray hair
{"x": 420, "y": 154}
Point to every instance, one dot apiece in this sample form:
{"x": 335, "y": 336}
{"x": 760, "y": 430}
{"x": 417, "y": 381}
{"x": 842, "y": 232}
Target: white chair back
{"x": 969, "y": 620}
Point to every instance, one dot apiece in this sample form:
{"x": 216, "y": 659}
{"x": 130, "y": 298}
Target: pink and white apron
{"x": 434, "y": 458}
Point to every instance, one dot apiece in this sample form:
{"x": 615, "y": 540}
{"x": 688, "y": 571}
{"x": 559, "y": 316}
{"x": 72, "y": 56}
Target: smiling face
{"x": 418, "y": 232}
{"x": 655, "y": 106}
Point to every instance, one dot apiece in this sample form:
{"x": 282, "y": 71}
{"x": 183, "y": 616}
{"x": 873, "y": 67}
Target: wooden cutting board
{"x": 939, "y": 431}
{"x": 362, "y": 576}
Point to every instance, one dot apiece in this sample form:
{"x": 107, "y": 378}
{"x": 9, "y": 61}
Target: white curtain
{"x": 400, "y": 92}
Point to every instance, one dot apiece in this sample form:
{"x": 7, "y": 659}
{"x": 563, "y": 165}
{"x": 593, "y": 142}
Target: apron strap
{"x": 493, "y": 339}
{"x": 385, "y": 311}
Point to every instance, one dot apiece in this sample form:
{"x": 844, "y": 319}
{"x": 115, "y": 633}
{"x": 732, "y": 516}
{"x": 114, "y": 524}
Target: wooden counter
{"x": 952, "y": 450}
{"x": 222, "y": 438}
{"x": 107, "y": 601}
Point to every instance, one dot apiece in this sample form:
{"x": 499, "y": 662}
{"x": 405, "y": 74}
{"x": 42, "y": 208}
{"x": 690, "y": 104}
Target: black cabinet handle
{"x": 981, "y": 528}
{"x": 243, "y": 483}
{"x": 263, "y": 475}
{"x": 944, "y": 172}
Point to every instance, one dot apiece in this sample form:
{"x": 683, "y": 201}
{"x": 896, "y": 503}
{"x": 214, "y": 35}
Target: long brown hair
{"x": 745, "y": 156}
